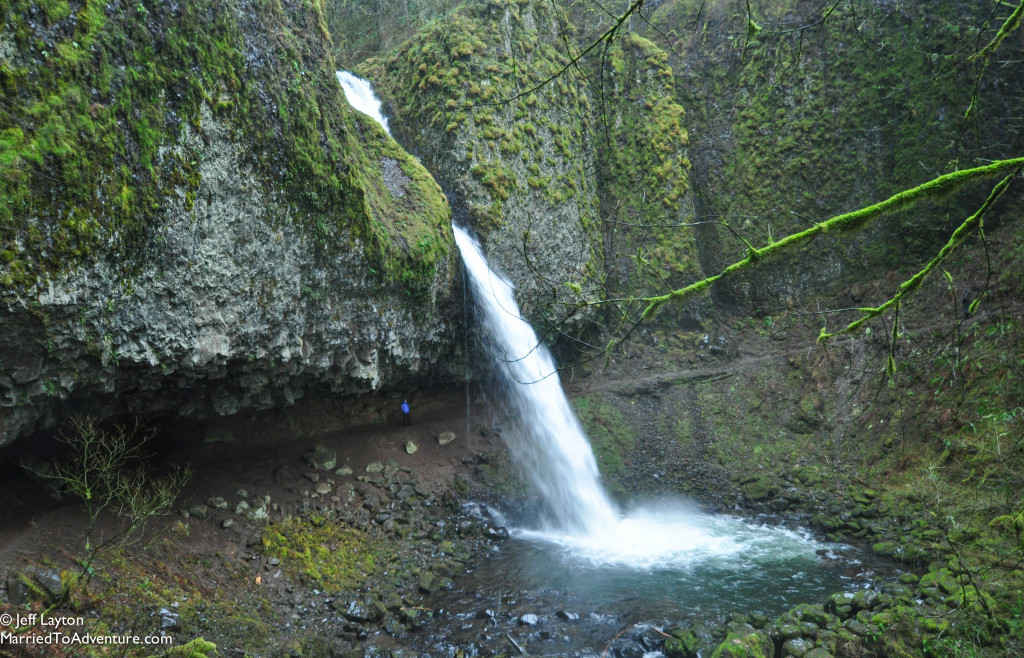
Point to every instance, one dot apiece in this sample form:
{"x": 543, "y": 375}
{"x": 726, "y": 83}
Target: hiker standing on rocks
{"x": 405, "y": 413}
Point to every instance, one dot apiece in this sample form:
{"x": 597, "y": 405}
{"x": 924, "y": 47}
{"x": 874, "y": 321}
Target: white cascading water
{"x": 359, "y": 94}
{"x": 557, "y": 455}
{"x": 550, "y": 442}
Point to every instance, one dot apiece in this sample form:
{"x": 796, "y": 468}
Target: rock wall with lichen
{"x": 644, "y": 176}
{"x": 790, "y": 113}
{"x": 193, "y": 219}
{"x": 515, "y": 156}
{"x": 796, "y": 116}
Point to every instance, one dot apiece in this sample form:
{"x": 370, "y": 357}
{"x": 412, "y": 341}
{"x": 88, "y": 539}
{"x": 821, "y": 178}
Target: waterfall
{"x": 359, "y": 94}
{"x": 549, "y": 441}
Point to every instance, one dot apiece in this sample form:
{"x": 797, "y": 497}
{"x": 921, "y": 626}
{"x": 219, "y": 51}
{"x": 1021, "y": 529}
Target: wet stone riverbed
{"x": 541, "y": 594}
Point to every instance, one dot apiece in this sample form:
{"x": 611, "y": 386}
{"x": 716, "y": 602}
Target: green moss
{"x": 611, "y": 437}
{"x": 645, "y": 168}
{"x": 499, "y": 180}
{"x": 330, "y": 555}
{"x": 197, "y": 648}
{"x": 92, "y": 146}
{"x": 807, "y": 141}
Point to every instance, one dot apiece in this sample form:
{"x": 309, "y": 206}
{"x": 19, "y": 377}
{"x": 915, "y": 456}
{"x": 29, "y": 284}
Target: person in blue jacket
{"x": 405, "y": 413}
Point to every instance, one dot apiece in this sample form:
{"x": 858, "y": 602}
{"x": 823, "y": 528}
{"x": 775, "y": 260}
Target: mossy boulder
{"x": 939, "y": 584}
{"x": 759, "y": 490}
{"x": 745, "y": 643}
{"x": 682, "y": 643}
{"x": 197, "y": 648}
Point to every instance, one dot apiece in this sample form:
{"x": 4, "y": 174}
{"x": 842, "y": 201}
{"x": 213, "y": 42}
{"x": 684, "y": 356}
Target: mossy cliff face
{"x": 644, "y": 174}
{"x": 194, "y": 219}
{"x": 791, "y": 126}
{"x": 518, "y": 164}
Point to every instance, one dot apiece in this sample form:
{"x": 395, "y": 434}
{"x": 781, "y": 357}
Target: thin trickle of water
{"x": 359, "y": 94}
{"x": 549, "y": 442}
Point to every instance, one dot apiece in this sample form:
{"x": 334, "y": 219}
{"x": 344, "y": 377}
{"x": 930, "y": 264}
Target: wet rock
{"x": 839, "y": 605}
{"x": 857, "y": 628}
{"x": 806, "y": 475}
{"x": 170, "y": 621}
{"x": 410, "y": 618}
{"x": 565, "y": 615}
{"x": 650, "y": 638}
{"x": 374, "y": 467}
{"x": 227, "y": 523}
{"x": 529, "y": 620}
{"x": 199, "y": 511}
{"x": 865, "y": 599}
{"x": 818, "y": 652}
{"x": 216, "y": 502}
{"x": 745, "y": 643}
{"x": 758, "y": 490}
{"x": 321, "y": 458}
{"x": 938, "y": 583}
{"x": 809, "y": 630}
{"x": 405, "y": 493}
{"x": 17, "y": 591}
{"x": 865, "y": 497}
{"x": 786, "y": 632}
{"x": 241, "y": 508}
{"x": 242, "y": 493}
{"x": 444, "y": 438}
{"x": 682, "y": 643}
{"x": 797, "y": 647}
{"x": 358, "y": 611}
{"x": 497, "y": 533}
{"x": 622, "y": 648}
{"x": 42, "y": 583}
{"x": 828, "y": 641}
{"x": 889, "y": 548}
{"x": 485, "y": 615}
{"x": 258, "y": 514}
{"x": 344, "y": 470}
{"x": 429, "y": 582}
{"x": 410, "y": 448}
{"x": 312, "y": 476}
{"x": 322, "y": 488}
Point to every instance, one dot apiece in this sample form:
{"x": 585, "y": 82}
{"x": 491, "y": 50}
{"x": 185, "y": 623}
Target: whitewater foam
{"x": 359, "y": 94}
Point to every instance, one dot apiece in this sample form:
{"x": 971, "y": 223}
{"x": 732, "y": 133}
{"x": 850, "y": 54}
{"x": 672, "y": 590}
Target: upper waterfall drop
{"x": 359, "y": 94}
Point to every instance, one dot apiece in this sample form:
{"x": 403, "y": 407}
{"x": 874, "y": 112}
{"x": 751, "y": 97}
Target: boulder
{"x": 758, "y": 490}
{"x": 321, "y": 458}
{"x": 745, "y": 643}
{"x": 682, "y": 643}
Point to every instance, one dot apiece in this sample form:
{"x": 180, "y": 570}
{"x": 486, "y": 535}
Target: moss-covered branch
{"x": 1009, "y": 25}
{"x": 971, "y": 224}
{"x": 846, "y": 222}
